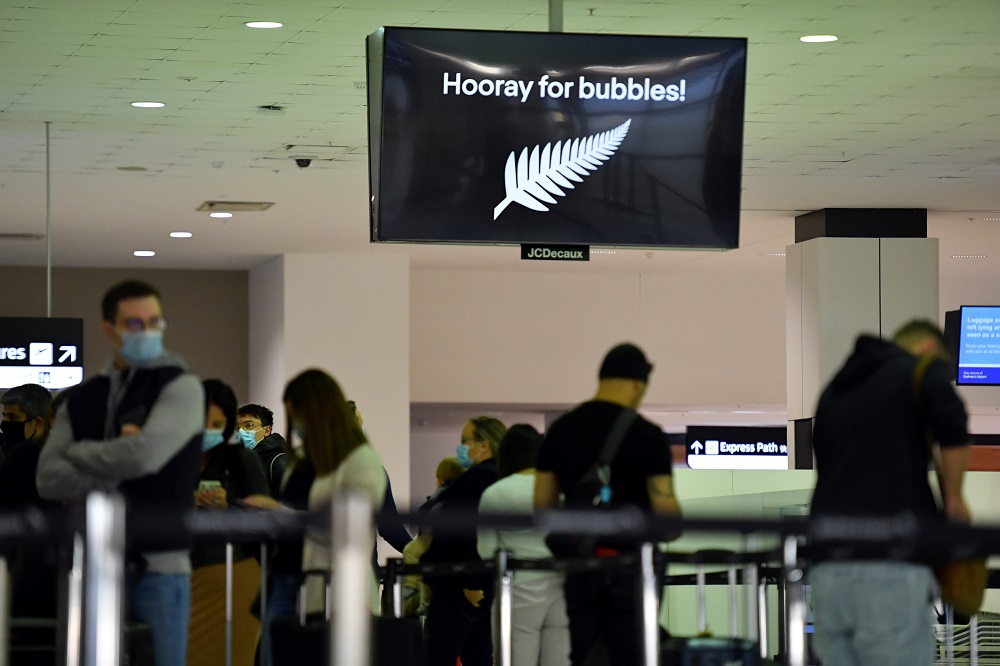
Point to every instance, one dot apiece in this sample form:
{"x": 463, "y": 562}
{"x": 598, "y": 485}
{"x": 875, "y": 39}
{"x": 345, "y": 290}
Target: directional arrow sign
{"x": 68, "y": 352}
{"x": 696, "y": 446}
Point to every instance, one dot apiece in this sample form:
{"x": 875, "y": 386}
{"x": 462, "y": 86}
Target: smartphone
{"x": 209, "y": 485}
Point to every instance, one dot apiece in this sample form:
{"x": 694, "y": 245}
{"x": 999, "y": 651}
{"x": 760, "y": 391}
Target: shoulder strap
{"x": 270, "y": 468}
{"x": 615, "y": 436}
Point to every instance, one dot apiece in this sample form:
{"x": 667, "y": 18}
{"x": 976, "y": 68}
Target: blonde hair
{"x": 490, "y": 430}
{"x": 449, "y": 469}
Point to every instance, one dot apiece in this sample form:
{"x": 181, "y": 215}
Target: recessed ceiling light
{"x": 818, "y": 39}
{"x": 220, "y": 215}
{"x": 181, "y": 234}
{"x": 144, "y": 253}
{"x": 772, "y": 254}
{"x": 970, "y": 256}
{"x": 263, "y": 25}
{"x": 148, "y": 105}
{"x": 991, "y": 219}
{"x": 603, "y": 252}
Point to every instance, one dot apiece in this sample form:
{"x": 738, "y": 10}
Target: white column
{"x": 348, "y": 315}
{"x": 838, "y": 288}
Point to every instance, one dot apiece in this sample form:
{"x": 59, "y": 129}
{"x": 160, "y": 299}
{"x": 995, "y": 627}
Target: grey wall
{"x": 206, "y": 313}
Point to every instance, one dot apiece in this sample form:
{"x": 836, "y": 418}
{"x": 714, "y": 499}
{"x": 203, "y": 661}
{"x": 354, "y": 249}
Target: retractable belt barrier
{"x": 98, "y": 529}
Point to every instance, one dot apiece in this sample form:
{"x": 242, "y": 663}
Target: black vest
{"x": 155, "y": 503}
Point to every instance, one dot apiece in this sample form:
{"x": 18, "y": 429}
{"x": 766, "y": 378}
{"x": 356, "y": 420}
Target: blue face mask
{"x": 211, "y": 439}
{"x": 249, "y": 438}
{"x": 462, "y": 451}
{"x": 141, "y": 347}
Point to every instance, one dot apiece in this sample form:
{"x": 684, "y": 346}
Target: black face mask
{"x": 13, "y": 432}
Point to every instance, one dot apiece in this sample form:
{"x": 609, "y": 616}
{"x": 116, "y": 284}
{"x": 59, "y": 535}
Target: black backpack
{"x": 592, "y": 490}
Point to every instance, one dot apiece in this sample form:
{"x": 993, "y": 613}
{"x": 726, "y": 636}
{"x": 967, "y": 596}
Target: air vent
{"x": 235, "y": 206}
{"x": 20, "y": 237}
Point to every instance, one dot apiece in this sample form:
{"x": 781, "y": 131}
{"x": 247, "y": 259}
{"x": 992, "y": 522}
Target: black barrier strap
{"x": 827, "y": 536}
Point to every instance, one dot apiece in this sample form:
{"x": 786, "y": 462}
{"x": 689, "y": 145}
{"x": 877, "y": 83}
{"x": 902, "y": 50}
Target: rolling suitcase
{"x": 304, "y": 639}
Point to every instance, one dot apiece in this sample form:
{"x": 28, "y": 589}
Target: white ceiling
{"x": 902, "y": 111}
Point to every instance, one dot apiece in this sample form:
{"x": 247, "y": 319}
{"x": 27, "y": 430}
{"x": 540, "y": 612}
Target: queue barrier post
{"x": 5, "y": 600}
{"x": 265, "y": 639}
{"x": 650, "y": 605}
{"x": 795, "y": 603}
{"x": 103, "y": 582}
{"x": 351, "y": 531}
{"x": 762, "y": 628}
{"x": 229, "y": 604}
{"x": 394, "y": 579}
{"x": 974, "y": 640}
{"x": 505, "y": 604}
{"x": 74, "y": 603}
{"x": 750, "y": 580}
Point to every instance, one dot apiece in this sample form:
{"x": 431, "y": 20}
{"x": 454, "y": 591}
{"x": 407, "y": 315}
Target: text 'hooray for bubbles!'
{"x": 581, "y": 88}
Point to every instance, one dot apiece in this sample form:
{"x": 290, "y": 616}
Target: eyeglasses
{"x": 249, "y": 425}
{"x": 135, "y": 324}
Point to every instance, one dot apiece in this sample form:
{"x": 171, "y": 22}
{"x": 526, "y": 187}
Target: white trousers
{"x": 539, "y": 626}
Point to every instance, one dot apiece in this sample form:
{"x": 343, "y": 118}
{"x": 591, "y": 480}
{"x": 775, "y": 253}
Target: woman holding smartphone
{"x": 228, "y": 473}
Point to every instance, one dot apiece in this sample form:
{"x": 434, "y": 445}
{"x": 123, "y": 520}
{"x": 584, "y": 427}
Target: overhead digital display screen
{"x": 515, "y": 137}
{"x": 40, "y": 350}
{"x": 979, "y": 345}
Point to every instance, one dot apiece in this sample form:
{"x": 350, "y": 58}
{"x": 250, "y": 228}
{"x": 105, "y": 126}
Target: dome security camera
{"x": 303, "y": 162}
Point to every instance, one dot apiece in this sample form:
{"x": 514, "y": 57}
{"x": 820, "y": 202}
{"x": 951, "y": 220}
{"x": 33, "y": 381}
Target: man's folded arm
{"x": 176, "y": 417}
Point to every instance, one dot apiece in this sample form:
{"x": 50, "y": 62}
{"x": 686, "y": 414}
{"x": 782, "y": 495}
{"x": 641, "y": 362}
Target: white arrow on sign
{"x": 697, "y": 446}
{"x": 69, "y": 352}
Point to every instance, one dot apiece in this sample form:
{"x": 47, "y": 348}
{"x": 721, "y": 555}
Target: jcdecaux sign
{"x": 533, "y": 252}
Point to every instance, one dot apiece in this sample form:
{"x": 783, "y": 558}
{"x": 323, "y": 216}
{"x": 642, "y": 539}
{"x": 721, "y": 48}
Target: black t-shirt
{"x": 574, "y": 441}
{"x": 869, "y": 438}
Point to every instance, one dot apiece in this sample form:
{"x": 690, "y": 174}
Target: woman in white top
{"x": 343, "y": 459}
{"x": 539, "y": 623}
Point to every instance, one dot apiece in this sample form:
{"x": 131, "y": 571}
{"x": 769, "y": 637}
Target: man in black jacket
{"x": 458, "y": 620}
{"x": 875, "y": 422}
{"x": 256, "y": 430}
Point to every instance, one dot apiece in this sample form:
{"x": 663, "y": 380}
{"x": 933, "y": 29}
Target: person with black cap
{"x": 603, "y": 606}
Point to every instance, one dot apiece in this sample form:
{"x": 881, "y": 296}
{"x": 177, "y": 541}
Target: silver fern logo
{"x": 531, "y": 180}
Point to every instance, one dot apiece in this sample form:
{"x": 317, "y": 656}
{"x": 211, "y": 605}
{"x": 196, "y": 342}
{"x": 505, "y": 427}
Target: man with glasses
{"x": 136, "y": 427}
{"x": 256, "y": 431}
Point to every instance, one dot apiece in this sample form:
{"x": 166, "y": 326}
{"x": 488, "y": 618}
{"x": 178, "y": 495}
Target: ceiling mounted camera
{"x": 303, "y": 162}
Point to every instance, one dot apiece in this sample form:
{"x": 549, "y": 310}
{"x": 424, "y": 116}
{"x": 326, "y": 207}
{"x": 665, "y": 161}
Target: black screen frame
{"x": 670, "y": 229}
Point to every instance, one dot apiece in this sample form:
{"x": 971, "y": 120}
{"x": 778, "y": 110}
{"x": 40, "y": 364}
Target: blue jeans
{"x": 873, "y": 613}
{"x": 163, "y": 601}
{"x": 281, "y": 601}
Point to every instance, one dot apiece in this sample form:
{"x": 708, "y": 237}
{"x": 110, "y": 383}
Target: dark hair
{"x": 122, "y": 292}
{"x": 518, "y": 449}
{"x": 218, "y": 393}
{"x": 329, "y": 430}
{"x": 34, "y": 400}
{"x": 490, "y": 430}
{"x": 259, "y": 412}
